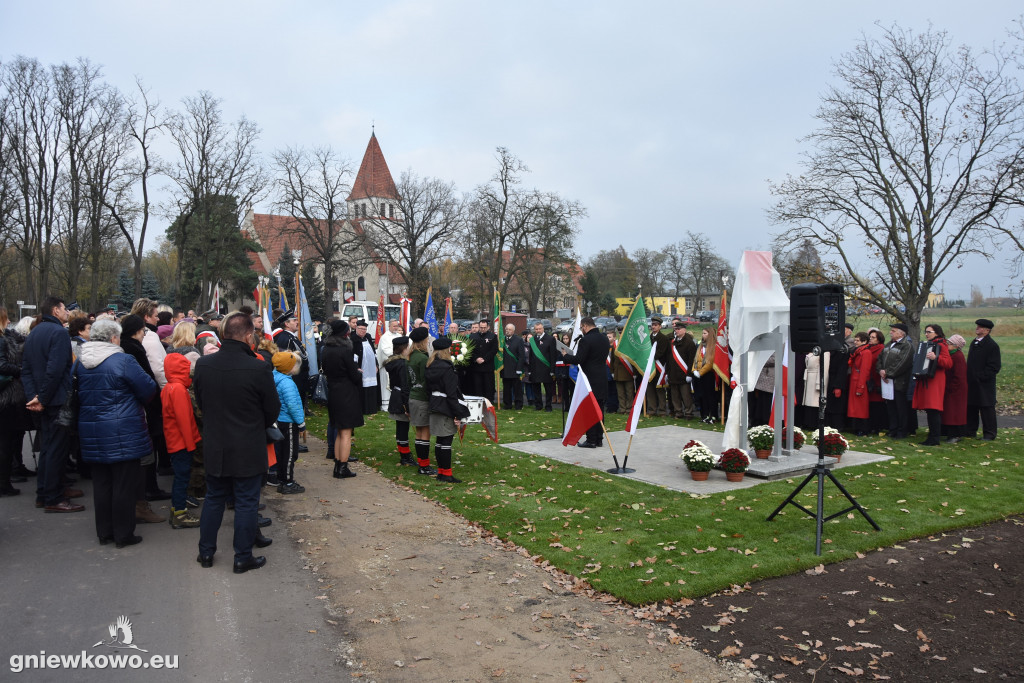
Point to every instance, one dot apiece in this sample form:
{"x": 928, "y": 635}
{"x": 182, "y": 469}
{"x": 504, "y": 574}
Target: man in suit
{"x": 236, "y": 393}
{"x": 513, "y": 366}
{"x": 485, "y": 348}
{"x": 592, "y": 356}
{"x": 682, "y": 349}
{"x": 656, "y": 403}
{"x": 983, "y": 364}
{"x": 542, "y": 367}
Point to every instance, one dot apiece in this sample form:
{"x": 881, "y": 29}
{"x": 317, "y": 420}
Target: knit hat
{"x": 957, "y": 341}
{"x": 339, "y": 327}
{"x": 210, "y": 347}
{"x": 131, "y": 324}
{"x": 419, "y": 334}
{"x": 284, "y": 361}
{"x": 164, "y": 331}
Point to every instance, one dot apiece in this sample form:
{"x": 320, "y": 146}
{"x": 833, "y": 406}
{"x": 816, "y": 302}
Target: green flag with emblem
{"x": 499, "y": 331}
{"x": 635, "y": 340}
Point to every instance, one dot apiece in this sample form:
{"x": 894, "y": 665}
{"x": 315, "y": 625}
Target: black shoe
{"x": 586, "y": 444}
{"x": 353, "y": 458}
{"x": 131, "y": 540}
{"x": 406, "y": 461}
{"x": 262, "y": 521}
{"x": 342, "y": 471}
{"x": 9, "y": 490}
{"x": 159, "y": 494}
{"x": 262, "y": 541}
{"x": 106, "y": 540}
{"x": 988, "y": 438}
{"x": 449, "y": 479}
{"x": 303, "y": 448}
{"x": 205, "y": 560}
{"x": 272, "y": 480}
{"x": 23, "y": 471}
{"x": 251, "y": 563}
{"x": 929, "y": 442}
{"x": 427, "y": 470}
{"x": 291, "y": 488}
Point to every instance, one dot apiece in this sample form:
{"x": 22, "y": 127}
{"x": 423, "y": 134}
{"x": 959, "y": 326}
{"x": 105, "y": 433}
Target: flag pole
{"x": 609, "y": 442}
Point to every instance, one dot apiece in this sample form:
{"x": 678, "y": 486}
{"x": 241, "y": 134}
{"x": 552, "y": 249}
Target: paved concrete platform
{"x": 655, "y": 456}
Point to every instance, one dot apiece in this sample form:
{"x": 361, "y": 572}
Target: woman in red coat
{"x": 879, "y": 420}
{"x": 930, "y": 393}
{"x": 861, "y": 362}
{"x": 954, "y": 406}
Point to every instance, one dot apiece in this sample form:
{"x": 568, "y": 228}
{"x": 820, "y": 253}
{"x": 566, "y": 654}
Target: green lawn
{"x": 643, "y": 543}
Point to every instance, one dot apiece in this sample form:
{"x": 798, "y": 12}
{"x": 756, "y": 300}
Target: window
{"x": 361, "y": 283}
{"x": 391, "y": 209}
{"x": 382, "y": 212}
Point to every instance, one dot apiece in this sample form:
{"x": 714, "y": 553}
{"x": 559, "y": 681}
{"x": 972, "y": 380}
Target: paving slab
{"x": 654, "y": 454}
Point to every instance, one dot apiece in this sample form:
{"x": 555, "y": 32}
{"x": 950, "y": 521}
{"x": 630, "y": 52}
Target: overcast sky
{"x": 660, "y": 117}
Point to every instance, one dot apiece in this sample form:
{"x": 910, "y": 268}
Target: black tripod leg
{"x": 819, "y": 519}
{"x": 853, "y": 501}
{"x": 791, "y": 496}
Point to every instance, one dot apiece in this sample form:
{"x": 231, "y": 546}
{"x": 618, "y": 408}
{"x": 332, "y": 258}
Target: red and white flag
{"x": 638, "y": 399}
{"x": 268, "y": 332}
{"x": 584, "y": 412}
{"x": 215, "y": 302}
{"x": 381, "y": 323}
{"x": 723, "y": 358}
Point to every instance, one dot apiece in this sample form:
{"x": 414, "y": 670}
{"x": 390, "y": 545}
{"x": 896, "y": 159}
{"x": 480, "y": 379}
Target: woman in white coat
{"x": 809, "y": 402}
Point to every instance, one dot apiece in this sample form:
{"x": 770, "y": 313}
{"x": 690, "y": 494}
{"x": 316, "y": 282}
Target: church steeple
{"x": 374, "y": 194}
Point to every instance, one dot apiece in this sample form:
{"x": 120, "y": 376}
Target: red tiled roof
{"x": 374, "y": 179}
{"x": 272, "y": 232}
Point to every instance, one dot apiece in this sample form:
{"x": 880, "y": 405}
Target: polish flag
{"x": 584, "y": 412}
{"x": 268, "y": 332}
{"x": 638, "y": 398}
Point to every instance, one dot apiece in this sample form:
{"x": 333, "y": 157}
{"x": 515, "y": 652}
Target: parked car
{"x": 564, "y": 326}
{"x": 606, "y": 323}
{"x": 707, "y": 316}
{"x": 530, "y": 322}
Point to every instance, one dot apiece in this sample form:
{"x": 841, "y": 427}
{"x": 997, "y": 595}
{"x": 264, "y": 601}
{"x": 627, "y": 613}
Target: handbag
{"x": 67, "y": 417}
{"x": 274, "y": 434}
{"x": 320, "y": 391}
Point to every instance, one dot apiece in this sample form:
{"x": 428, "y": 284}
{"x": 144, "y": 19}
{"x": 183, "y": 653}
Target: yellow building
{"x": 665, "y": 305}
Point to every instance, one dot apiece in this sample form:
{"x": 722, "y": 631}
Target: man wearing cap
{"x": 682, "y": 350}
{"x": 894, "y": 366}
{"x": 656, "y": 400}
{"x": 983, "y": 364}
{"x": 286, "y": 336}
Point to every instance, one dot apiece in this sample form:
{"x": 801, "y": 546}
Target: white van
{"x": 367, "y": 310}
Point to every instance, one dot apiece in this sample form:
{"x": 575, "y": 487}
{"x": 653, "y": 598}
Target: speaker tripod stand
{"x": 820, "y": 472}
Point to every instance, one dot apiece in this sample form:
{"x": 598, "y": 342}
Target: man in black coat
{"x": 513, "y": 366}
{"x": 591, "y": 356}
{"x": 235, "y": 391}
{"x": 983, "y": 364}
{"x": 45, "y": 374}
{"x": 542, "y": 366}
{"x": 485, "y": 348}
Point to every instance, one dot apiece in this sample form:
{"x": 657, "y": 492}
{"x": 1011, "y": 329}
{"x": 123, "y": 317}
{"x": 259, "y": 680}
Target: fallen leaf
{"x": 900, "y": 628}
{"x": 729, "y": 651}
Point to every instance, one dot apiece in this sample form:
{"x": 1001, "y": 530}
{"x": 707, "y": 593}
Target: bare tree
{"x": 34, "y": 151}
{"x": 918, "y": 157}
{"x": 216, "y": 160}
{"x": 422, "y": 234}
{"x": 311, "y": 186}
{"x": 650, "y": 270}
{"x": 547, "y": 249}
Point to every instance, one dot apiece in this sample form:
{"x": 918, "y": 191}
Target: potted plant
{"x": 762, "y": 440}
{"x": 799, "y": 438}
{"x": 833, "y": 445}
{"x": 735, "y": 463}
{"x": 699, "y": 460}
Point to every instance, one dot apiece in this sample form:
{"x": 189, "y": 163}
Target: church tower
{"x": 374, "y": 194}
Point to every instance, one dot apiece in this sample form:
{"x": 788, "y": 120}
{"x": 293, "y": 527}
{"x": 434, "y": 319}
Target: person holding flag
{"x": 680, "y": 366}
{"x": 590, "y": 356}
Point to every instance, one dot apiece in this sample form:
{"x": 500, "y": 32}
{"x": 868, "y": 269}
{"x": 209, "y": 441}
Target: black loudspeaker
{"x": 817, "y": 317}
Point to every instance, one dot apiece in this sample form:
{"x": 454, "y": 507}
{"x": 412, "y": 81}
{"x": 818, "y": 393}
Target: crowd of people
{"x": 219, "y": 404}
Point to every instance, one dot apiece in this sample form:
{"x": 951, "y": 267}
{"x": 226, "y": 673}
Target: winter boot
{"x": 342, "y": 471}
{"x": 406, "y": 460}
{"x": 145, "y": 515}
{"x": 182, "y": 519}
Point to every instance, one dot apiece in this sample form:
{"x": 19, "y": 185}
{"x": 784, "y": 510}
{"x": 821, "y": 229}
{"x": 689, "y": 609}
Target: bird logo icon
{"x": 121, "y": 636}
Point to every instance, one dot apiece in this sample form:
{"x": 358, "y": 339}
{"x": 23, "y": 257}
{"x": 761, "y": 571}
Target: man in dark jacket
{"x": 485, "y": 348}
{"x": 45, "y": 365}
{"x": 542, "y": 366}
{"x": 592, "y": 356}
{"x": 895, "y": 365}
{"x": 983, "y": 364}
{"x": 236, "y": 393}
{"x": 679, "y": 360}
{"x": 512, "y": 368}
{"x": 656, "y": 399}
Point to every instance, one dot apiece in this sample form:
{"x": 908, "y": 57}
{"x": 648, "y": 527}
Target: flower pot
{"x": 734, "y": 476}
{"x": 699, "y": 476}
{"x": 763, "y": 453}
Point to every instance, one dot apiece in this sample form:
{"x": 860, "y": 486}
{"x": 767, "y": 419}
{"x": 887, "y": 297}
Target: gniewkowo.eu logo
{"x": 121, "y": 637}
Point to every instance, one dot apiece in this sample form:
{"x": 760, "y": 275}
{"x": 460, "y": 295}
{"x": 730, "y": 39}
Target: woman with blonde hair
{"x": 183, "y": 339}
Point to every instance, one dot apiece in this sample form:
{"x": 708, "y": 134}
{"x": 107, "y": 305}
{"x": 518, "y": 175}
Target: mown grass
{"x": 643, "y": 543}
